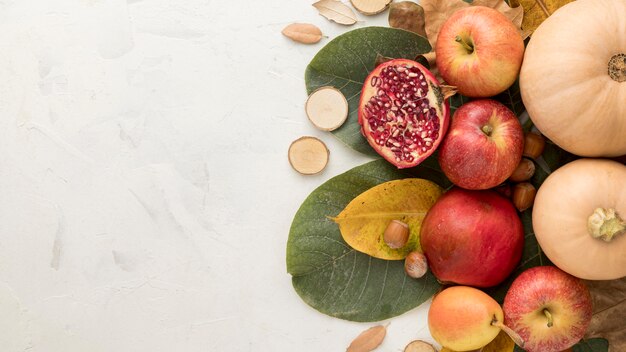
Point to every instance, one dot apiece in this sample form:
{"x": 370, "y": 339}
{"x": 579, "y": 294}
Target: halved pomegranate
{"x": 403, "y": 112}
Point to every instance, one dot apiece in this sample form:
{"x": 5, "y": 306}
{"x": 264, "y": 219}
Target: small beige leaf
{"x": 336, "y": 11}
{"x": 368, "y": 340}
{"x": 303, "y": 33}
{"x": 370, "y": 7}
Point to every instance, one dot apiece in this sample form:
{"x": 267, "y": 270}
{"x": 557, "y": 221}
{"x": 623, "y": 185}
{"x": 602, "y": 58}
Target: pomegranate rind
{"x": 435, "y": 99}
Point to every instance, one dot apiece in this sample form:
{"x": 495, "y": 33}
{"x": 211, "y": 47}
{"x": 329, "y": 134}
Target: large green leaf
{"x": 512, "y": 98}
{"x": 346, "y": 61}
{"x": 334, "y": 278}
{"x": 590, "y": 345}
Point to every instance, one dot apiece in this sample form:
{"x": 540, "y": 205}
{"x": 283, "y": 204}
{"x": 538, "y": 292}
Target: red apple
{"x": 550, "y": 309}
{"x": 480, "y": 51}
{"x": 472, "y": 238}
{"x": 483, "y": 146}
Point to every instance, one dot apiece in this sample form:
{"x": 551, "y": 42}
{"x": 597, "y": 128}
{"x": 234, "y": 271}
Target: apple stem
{"x": 468, "y": 46}
{"x": 549, "y": 316}
{"x": 512, "y": 334}
{"x": 487, "y": 129}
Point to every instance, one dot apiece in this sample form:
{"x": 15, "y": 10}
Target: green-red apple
{"x": 550, "y": 309}
{"x": 480, "y": 51}
{"x": 483, "y": 146}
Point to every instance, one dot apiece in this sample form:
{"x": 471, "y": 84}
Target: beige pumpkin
{"x": 579, "y": 218}
{"x": 573, "y": 78}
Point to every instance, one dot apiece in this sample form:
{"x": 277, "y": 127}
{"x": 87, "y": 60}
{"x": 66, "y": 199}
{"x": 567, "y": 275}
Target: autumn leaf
{"x": 515, "y": 14}
{"x": 502, "y": 343}
{"x": 335, "y": 10}
{"x": 303, "y": 33}
{"x": 537, "y": 11}
{"x": 407, "y": 15}
{"x": 364, "y": 220}
{"x": 368, "y": 340}
{"x": 609, "y": 316}
{"x": 436, "y": 12}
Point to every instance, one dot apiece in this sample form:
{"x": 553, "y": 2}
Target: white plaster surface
{"x": 145, "y": 193}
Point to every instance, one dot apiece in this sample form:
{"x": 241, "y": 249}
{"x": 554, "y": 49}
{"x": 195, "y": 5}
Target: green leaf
{"x": 512, "y": 98}
{"x": 590, "y": 345}
{"x": 334, "y": 278}
{"x": 345, "y": 62}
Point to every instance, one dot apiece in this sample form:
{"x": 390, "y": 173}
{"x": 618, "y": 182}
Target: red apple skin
{"x": 471, "y": 158}
{"x": 472, "y": 238}
{"x": 493, "y": 64}
{"x": 566, "y": 297}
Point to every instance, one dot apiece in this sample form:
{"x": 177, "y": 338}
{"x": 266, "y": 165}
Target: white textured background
{"x": 145, "y": 193}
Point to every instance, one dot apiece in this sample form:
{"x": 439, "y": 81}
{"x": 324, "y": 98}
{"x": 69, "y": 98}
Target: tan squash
{"x": 573, "y": 78}
{"x": 579, "y": 218}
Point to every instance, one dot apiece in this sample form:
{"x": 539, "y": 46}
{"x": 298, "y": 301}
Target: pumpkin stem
{"x": 605, "y": 224}
{"x": 617, "y": 67}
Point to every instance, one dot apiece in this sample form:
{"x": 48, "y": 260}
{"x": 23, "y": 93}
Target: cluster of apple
{"x": 473, "y": 237}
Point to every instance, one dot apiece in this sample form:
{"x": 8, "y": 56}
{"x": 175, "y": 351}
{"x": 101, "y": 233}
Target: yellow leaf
{"x": 436, "y": 12}
{"x": 364, "y": 220}
{"x": 502, "y": 343}
{"x": 336, "y": 11}
{"x": 537, "y": 11}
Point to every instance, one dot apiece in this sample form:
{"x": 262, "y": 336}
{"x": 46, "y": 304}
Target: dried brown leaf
{"x": 303, "y": 33}
{"x": 335, "y": 10}
{"x": 407, "y": 15}
{"x": 515, "y": 14}
{"x": 381, "y": 59}
{"x": 436, "y": 12}
{"x": 537, "y": 11}
{"x": 609, "y": 316}
{"x": 368, "y": 340}
{"x": 370, "y": 7}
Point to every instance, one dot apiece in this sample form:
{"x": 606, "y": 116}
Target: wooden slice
{"x": 327, "y": 108}
{"x": 308, "y": 155}
{"x": 370, "y": 7}
{"x": 419, "y": 346}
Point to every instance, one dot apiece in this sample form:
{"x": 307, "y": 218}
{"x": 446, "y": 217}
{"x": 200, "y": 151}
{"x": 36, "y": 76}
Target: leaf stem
{"x": 544, "y": 8}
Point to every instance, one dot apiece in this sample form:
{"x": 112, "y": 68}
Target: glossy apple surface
{"x": 480, "y": 51}
{"x": 483, "y": 146}
{"x": 472, "y": 238}
{"x": 550, "y": 309}
{"x": 460, "y": 318}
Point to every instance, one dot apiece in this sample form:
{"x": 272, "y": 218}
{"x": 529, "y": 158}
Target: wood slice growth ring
{"x": 308, "y": 155}
{"x": 327, "y": 108}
